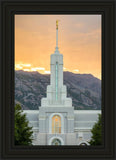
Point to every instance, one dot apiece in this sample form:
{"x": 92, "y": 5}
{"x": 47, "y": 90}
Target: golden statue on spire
{"x": 56, "y": 24}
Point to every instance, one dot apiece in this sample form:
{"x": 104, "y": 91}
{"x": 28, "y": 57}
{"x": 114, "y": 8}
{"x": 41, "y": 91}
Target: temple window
{"x": 56, "y": 124}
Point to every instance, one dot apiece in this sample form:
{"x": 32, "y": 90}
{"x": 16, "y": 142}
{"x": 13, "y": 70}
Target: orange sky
{"x": 79, "y": 41}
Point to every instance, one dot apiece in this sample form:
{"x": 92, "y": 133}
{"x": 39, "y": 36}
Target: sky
{"x": 79, "y": 40}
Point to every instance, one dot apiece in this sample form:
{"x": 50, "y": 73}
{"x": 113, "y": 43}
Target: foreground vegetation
{"x": 96, "y": 131}
{"x": 23, "y": 133}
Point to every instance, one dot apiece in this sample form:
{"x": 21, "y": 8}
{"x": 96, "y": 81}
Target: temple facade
{"x": 56, "y": 122}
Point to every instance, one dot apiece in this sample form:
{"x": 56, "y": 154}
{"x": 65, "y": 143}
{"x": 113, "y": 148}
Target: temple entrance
{"x": 56, "y": 142}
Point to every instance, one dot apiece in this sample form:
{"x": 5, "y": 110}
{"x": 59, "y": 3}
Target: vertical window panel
{"x": 56, "y": 124}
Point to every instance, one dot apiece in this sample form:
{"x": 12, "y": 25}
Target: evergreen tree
{"x": 96, "y": 138}
{"x": 23, "y": 133}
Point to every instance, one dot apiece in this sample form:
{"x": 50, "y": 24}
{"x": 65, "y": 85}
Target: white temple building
{"x": 56, "y": 122}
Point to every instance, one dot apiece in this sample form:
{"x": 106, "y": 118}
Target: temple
{"x": 56, "y": 122}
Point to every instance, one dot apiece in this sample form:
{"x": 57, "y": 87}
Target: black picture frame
{"x": 8, "y": 9}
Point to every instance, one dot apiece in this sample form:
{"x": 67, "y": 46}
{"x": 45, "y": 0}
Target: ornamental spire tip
{"x": 56, "y": 24}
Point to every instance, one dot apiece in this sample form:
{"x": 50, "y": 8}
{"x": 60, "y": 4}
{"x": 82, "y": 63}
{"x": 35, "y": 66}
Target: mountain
{"x": 84, "y": 89}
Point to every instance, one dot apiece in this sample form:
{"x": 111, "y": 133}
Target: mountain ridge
{"x": 84, "y": 89}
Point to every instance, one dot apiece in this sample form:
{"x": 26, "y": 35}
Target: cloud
{"x": 37, "y": 69}
{"x": 18, "y": 66}
{"x": 47, "y": 72}
{"x": 75, "y": 70}
{"x": 26, "y": 65}
{"x": 26, "y": 70}
{"x": 40, "y": 68}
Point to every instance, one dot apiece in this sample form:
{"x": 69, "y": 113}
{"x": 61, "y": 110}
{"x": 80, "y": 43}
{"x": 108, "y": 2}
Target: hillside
{"x": 84, "y": 89}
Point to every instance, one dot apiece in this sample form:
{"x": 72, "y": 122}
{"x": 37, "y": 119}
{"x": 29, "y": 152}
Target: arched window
{"x": 56, "y": 142}
{"x": 83, "y": 144}
{"x": 56, "y": 124}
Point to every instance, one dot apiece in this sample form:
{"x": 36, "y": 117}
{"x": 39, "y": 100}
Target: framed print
{"x": 57, "y": 80}
{"x": 54, "y": 93}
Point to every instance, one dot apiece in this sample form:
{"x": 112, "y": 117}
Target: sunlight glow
{"x": 42, "y": 70}
{"x": 75, "y": 70}
{"x": 47, "y": 72}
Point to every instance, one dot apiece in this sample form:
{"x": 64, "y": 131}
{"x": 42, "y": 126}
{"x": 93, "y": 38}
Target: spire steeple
{"x": 56, "y": 91}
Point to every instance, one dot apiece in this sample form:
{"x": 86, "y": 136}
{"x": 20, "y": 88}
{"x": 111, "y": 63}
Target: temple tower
{"x": 56, "y": 91}
{"x": 56, "y": 114}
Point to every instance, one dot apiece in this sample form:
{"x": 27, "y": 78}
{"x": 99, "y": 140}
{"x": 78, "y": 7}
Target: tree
{"x": 23, "y": 133}
{"x": 96, "y": 138}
